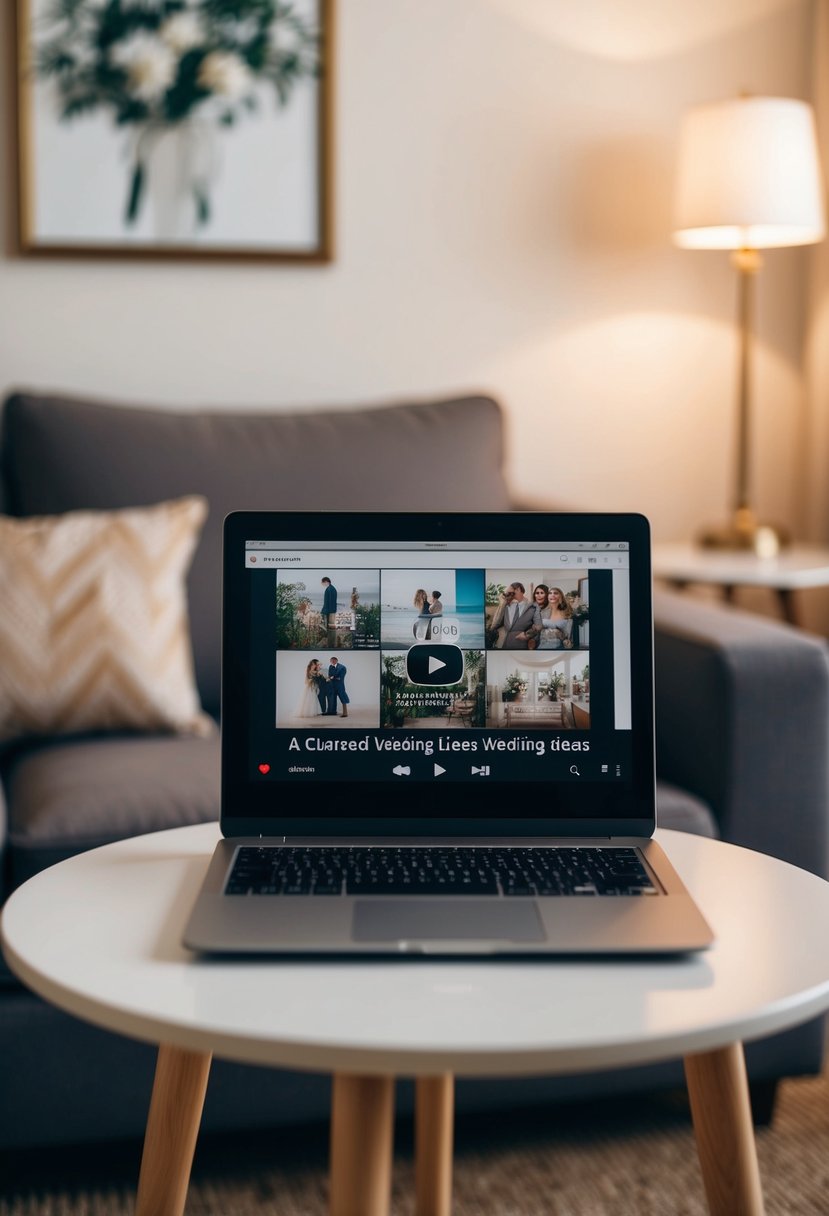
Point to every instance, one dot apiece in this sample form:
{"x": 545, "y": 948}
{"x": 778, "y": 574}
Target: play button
{"x": 434, "y": 664}
{"x": 439, "y": 770}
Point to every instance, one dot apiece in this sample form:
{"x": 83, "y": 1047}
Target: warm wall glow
{"x": 650, "y": 400}
{"x": 648, "y": 29}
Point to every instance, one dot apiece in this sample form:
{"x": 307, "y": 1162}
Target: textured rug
{"x": 620, "y": 1158}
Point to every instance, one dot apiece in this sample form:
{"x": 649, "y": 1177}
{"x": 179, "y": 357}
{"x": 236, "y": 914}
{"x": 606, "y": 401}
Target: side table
{"x": 794, "y": 569}
{"x": 99, "y": 935}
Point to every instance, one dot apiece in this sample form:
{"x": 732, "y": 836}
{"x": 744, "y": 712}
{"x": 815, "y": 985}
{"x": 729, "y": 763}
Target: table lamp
{"x": 749, "y": 179}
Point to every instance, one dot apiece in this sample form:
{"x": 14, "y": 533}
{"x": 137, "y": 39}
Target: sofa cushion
{"x": 94, "y": 631}
{"x": 79, "y": 793}
{"x": 684, "y": 812}
{"x": 61, "y": 454}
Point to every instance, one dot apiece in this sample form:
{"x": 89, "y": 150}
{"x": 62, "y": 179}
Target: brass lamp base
{"x": 746, "y": 534}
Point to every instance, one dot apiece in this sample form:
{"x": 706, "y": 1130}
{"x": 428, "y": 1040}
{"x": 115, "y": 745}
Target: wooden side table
{"x": 100, "y": 936}
{"x": 793, "y": 570}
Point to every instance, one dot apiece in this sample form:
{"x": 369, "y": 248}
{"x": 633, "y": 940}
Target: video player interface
{"x": 439, "y": 662}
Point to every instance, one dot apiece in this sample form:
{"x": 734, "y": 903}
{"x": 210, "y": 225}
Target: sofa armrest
{"x": 742, "y": 720}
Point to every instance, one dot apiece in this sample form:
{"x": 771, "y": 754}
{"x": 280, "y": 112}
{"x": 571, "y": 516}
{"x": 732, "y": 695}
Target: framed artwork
{"x": 175, "y": 128}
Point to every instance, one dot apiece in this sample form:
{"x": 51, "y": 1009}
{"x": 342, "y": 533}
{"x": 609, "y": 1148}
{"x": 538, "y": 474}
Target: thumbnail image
{"x": 328, "y": 689}
{"x": 330, "y": 608}
{"x": 537, "y": 610}
{"x": 432, "y": 706}
{"x": 545, "y": 690}
{"x": 432, "y": 606}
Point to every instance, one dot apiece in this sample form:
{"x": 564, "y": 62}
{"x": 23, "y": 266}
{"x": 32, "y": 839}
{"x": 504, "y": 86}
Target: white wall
{"x": 504, "y": 173}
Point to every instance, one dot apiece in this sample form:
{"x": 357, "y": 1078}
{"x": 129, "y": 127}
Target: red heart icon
{"x": 264, "y": 768}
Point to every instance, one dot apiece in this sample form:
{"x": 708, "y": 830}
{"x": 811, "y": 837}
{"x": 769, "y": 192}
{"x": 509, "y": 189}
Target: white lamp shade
{"x": 749, "y": 176}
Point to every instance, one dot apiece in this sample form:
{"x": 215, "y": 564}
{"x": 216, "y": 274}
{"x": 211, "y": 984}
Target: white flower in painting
{"x": 149, "y": 63}
{"x": 182, "y": 32}
{"x": 285, "y": 36}
{"x": 225, "y": 74}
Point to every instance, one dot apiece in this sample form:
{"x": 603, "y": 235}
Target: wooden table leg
{"x": 434, "y": 1115}
{"x": 362, "y": 1120}
{"x": 718, "y": 1089}
{"x": 172, "y": 1128}
{"x": 787, "y": 598}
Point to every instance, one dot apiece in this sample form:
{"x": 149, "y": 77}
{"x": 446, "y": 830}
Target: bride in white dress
{"x": 309, "y": 706}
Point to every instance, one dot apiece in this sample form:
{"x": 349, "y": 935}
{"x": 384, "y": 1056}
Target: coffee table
{"x": 99, "y": 936}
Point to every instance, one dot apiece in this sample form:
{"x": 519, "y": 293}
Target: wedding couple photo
{"x": 327, "y": 690}
{"x": 537, "y": 610}
{"x": 330, "y": 608}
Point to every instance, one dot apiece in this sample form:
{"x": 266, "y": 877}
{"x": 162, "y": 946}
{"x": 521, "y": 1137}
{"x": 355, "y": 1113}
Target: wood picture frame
{"x": 244, "y": 174}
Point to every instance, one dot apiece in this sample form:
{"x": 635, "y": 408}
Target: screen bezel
{"x": 633, "y": 805}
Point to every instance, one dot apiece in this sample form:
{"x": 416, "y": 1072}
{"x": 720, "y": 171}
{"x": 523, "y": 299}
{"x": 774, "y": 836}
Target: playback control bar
{"x": 577, "y": 771}
{"x": 431, "y": 768}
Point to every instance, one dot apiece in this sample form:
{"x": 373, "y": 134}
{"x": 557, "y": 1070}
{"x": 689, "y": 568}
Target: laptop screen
{"x": 460, "y": 670}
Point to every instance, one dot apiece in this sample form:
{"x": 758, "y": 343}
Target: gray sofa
{"x": 742, "y": 719}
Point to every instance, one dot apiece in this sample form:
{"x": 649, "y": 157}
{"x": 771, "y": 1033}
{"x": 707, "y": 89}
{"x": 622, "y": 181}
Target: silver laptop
{"x": 438, "y": 739}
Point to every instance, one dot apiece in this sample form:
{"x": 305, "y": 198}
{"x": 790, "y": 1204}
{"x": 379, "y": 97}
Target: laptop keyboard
{"x": 415, "y": 870}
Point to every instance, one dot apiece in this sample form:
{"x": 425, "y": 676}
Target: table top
{"x": 799, "y": 566}
{"x": 99, "y": 936}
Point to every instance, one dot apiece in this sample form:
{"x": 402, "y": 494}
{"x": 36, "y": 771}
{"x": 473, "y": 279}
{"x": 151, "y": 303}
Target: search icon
{"x": 574, "y": 769}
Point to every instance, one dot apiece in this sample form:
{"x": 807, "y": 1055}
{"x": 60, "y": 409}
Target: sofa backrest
{"x": 62, "y": 454}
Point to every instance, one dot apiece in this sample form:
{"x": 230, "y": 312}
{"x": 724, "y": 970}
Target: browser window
{"x": 439, "y": 661}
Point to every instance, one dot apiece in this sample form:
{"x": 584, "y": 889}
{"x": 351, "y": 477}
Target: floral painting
{"x": 175, "y": 127}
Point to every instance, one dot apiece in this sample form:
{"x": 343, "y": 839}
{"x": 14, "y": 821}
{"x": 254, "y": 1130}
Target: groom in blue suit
{"x": 336, "y": 688}
{"x": 329, "y": 608}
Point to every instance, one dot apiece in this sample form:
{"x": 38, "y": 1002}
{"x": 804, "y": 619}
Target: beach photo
{"x": 432, "y": 606}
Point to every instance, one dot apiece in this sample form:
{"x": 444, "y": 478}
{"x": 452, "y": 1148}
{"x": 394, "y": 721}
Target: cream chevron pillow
{"x": 94, "y": 630}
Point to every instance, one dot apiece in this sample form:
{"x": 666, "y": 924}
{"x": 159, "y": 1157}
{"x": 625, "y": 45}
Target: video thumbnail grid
{"x": 432, "y": 649}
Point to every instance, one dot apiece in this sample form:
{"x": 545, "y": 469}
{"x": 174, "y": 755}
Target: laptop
{"x": 438, "y": 739}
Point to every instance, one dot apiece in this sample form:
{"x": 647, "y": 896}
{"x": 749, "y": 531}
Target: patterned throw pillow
{"x": 94, "y": 631}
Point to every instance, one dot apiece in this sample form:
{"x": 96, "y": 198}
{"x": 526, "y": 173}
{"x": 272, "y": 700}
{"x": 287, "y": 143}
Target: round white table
{"x": 99, "y": 936}
{"x": 795, "y": 569}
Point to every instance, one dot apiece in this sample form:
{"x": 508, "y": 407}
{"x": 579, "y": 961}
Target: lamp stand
{"x": 744, "y": 531}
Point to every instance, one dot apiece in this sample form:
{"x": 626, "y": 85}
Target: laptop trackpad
{"x": 466, "y": 919}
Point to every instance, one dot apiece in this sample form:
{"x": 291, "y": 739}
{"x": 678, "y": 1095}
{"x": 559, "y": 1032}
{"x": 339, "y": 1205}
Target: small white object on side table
{"x": 794, "y": 569}
{"x": 99, "y": 936}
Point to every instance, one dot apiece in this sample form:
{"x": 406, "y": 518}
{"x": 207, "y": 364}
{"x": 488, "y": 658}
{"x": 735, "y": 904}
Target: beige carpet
{"x": 621, "y": 1158}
